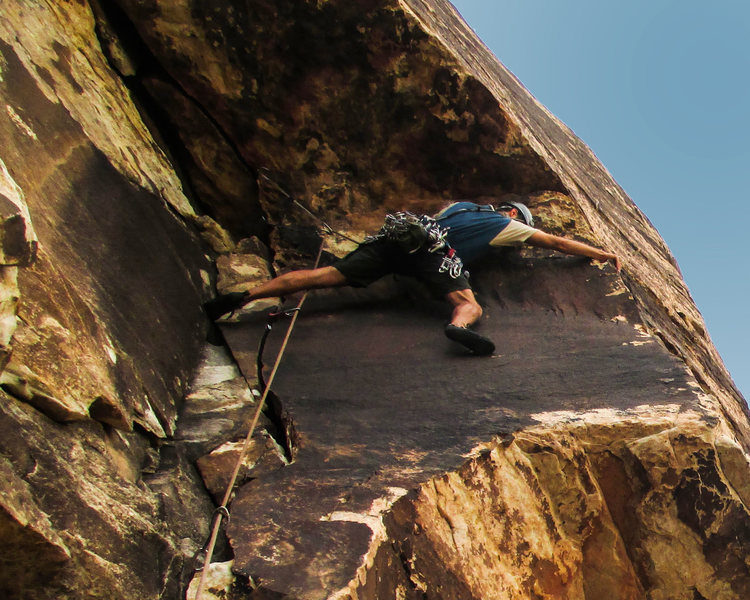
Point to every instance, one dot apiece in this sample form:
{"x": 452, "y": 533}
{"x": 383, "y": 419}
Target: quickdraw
{"x": 452, "y": 265}
{"x": 272, "y": 318}
{"x": 223, "y": 513}
{"x": 411, "y": 232}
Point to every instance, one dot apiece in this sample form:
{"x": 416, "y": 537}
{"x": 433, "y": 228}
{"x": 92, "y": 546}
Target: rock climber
{"x": 431, "y": 250}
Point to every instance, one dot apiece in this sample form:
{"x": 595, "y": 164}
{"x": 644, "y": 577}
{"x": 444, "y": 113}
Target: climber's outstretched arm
{"x": 541, "y": 239}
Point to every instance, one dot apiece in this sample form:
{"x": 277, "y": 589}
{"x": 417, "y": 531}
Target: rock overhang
{"x": 384, "y": 105}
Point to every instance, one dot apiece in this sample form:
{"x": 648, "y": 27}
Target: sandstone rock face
{"x": 152, "y": 154}
{"x": 581, "y": 512}
{"x": 102, "y": 280}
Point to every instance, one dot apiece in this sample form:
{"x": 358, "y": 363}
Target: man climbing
{"x": 427, "y": 249}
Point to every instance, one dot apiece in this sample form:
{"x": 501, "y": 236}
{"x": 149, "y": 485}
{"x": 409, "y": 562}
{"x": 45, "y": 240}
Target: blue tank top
{"x": 471, "y": 228}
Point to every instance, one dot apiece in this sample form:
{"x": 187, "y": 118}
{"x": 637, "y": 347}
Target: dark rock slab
{"x": 381, "y": 401}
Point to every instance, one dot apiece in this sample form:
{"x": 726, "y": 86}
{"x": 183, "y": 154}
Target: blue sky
{"x": 660, "y": 91}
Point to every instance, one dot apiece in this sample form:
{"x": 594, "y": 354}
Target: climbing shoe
{"x": 478, "y": 344}
{"x": 224, "y": 303}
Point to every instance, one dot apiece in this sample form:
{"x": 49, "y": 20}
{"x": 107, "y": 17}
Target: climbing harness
{"x": 411, "y": 233}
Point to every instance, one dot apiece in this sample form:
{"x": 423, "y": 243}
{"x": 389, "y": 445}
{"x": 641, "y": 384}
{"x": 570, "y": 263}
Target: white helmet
{"x": 523, "y": 212}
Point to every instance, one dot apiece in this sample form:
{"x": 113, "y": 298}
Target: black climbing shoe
{"x": 478, "y": 344}
{"x": 224, "y": 303}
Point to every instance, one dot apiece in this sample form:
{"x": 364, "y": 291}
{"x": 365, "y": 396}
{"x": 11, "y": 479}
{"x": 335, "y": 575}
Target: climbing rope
{"x": 222, "y": 511}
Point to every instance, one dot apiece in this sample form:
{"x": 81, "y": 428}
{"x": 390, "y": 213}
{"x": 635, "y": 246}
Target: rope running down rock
{"x": 222, "y": 511}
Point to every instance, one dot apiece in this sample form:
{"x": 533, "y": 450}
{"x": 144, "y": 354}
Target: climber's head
{"x": 517, "y": 210}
